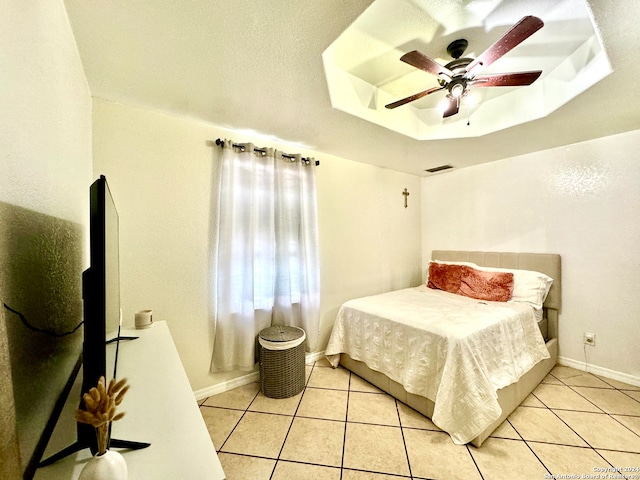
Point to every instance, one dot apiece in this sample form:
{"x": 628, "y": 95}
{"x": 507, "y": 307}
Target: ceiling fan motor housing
{"x": 457, "y": 48}
{"x": 459, "y": 69}
{"x": 459, "y": 65}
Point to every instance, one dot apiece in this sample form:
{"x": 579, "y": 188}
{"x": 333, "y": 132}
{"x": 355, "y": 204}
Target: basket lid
{"x": 281, "y": 333}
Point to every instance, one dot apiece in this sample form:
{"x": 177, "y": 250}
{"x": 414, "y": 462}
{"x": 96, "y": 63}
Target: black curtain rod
{"x": 220, "y": 143}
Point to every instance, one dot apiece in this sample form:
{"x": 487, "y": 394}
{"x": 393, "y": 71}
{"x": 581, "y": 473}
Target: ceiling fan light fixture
{"x": 457, "y": 90}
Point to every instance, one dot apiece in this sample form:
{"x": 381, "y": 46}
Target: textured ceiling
{"x": 257, "y": 67}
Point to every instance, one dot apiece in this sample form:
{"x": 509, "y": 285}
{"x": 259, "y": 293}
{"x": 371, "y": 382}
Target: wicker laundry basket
{"x": 282, "y": 372}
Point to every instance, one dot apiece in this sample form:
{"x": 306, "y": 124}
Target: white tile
{"x": 434, "y": 455}
{"x": 500, "y": 459}
{"x": 375, "y": 448}
{"x": 601, "y": 431}
{"x": 373, "y": 408}
{"x": 258, "y": 434}
{"x": 315, "y": 441}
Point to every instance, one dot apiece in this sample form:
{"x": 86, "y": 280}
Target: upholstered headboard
{"x": 547, "y": 263}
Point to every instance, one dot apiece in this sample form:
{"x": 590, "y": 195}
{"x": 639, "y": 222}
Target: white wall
{"x": 580, "y": 201}
{"x": 369, "y": 242}
{"x": 45, "y": 112}
{"x": 159, "y": 170}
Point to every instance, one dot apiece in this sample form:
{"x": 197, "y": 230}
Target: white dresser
{"x": 160, "y": 409}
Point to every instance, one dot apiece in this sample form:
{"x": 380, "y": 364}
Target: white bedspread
{"x": 454, "y": 350}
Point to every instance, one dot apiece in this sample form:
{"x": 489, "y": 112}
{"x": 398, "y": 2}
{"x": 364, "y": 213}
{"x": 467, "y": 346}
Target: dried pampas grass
{"x": 100, "y": 408}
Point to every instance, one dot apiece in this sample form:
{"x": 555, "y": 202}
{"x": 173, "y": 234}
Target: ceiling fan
{"x": 459, "y": 75}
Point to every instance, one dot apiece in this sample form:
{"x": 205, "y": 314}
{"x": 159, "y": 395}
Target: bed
{"x": 467, "y": 374}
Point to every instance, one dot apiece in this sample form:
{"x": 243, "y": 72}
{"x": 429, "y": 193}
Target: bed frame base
{"x": 509, "y": 397}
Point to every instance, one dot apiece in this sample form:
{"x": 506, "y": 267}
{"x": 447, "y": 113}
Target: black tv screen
{"x": 101, "y": 294}
{"x": 101, "y": 284}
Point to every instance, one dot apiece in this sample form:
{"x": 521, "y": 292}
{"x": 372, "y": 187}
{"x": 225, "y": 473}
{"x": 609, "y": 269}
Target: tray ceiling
{"x": 364, "y": 71}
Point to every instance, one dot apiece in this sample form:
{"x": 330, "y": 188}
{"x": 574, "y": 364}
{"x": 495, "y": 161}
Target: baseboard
{"x": 596, "y": 370}
{"x": 227, "y": 385}
{"x": 244, "y": 380}
{"x": 314, "y": 357}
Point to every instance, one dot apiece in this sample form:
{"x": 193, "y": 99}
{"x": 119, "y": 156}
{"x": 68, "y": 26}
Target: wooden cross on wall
{"x": 406, "y": 194}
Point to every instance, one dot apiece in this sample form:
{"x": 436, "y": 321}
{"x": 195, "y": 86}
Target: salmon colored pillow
{"x": 491, "y": 286}
{"x": 444, "y": 277}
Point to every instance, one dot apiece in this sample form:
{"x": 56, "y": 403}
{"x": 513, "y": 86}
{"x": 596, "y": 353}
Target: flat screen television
{"x": 101, "y": 285}
{"x": 101, "y": 305}
{"x": 101, "y": 295}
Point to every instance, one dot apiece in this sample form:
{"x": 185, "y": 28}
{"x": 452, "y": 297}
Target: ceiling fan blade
{"x": 518, "y": 33}
{"x": 423, "y": 62}
{"x": 506, "y": 79}
{"x": 413, "y": 97}
{"x": 452, "y": 108}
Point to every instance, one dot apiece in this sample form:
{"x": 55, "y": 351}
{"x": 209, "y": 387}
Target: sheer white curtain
{"x": 265, "y": 251}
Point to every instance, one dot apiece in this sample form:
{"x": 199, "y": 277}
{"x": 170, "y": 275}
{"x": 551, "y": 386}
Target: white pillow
{"x": 528, "y": 286}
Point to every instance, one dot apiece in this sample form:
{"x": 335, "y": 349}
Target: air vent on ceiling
{"x": 438, "y": 169}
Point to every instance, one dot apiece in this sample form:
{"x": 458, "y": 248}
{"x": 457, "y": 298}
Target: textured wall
{"x": 45, "y": 112}
{"x": 369, "y": 242}
{"x": 45, "y": 173}
{"x": 40, "y": 276}
{"x": 580, "y": 201}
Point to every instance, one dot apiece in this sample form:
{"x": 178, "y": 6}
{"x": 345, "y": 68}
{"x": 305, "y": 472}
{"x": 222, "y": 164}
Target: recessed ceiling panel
{"x": 364, "y": 71}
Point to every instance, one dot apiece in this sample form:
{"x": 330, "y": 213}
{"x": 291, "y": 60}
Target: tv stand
{"x": 77, "y": 446}
{"x": 159, "y": 407}
{"x": 65, "y": 452}
{"x": 128, "y": 444}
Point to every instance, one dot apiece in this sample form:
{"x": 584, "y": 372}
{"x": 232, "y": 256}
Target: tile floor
{"x": 341, "y": 427}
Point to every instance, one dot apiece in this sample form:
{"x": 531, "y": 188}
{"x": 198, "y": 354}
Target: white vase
{"x": 109, "y": 466}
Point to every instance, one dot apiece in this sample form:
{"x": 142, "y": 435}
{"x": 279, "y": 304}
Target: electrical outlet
{"x": 589, "y": 339}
